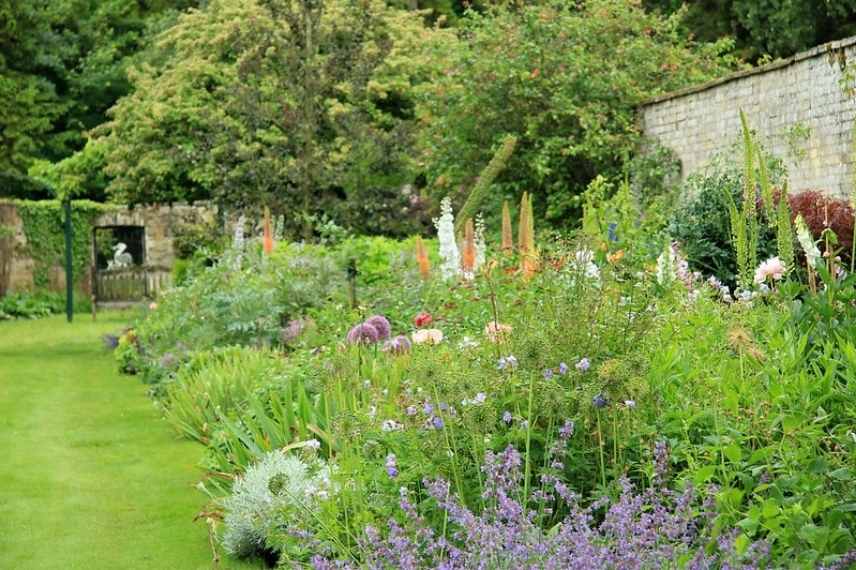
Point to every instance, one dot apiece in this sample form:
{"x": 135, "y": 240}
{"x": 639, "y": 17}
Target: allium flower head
{"x": 382, "y": 325}
{"x": 397, "y": 345}
{"x": 363, "y": 334}
{"x": 772, "y": 269}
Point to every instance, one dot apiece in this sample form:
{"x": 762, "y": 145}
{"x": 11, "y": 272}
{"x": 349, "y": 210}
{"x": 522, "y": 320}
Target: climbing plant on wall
{"x": 43, "y": 226}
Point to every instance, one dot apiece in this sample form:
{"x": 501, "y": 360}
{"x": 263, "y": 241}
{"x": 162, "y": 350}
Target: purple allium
{"x": 381, "y": 324}
{"x": 583, "y": 365}
{"x": 391, "y": 466}
{"x": 548, "y": 374}
{"x": 437, "y": 422}
{"x": 507, "y": 417}
{"x": 293, "y": 330}
{"x": 363, "y": 334}
{"x": 599, "y": 401}
{"x": 563, "y": 368}
{"x": 397, "y": 345}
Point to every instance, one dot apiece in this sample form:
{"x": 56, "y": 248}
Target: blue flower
{"x": 599, "y": 401}
{"x": 507, "y": 417}
{"x": 612, "y": 232}
{"x": 391, "y": 466}
{"x": 563, "y": 368}
{"x": 437, "y": 422}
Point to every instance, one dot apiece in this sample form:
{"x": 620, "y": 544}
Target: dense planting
{"x": 589, "y": 401}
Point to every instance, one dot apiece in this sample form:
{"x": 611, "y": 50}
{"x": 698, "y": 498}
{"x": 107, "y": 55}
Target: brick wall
{"x": 803, "y": 90}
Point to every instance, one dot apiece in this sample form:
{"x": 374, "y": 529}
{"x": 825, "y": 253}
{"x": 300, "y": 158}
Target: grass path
{"x": 90, "y": 476}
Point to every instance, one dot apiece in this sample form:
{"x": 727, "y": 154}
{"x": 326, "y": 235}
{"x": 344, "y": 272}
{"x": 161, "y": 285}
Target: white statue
{"x": 121, "y": 258}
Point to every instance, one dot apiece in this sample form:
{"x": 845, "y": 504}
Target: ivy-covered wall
{"x": 37, "y": 243}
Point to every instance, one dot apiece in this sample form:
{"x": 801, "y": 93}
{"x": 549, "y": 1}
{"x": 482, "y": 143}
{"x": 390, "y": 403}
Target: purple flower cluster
{"x": 397, "y": 345}
{"x": 637, "y": 531}
{"x": 373, "y": 330}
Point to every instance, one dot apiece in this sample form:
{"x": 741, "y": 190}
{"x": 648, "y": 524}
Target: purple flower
{"x": 363, "y": 334}
{"x": 437, "y": 422}
{"x": 381, "y": 324}
{"x": 507, "y": 417}
{"x": 563, "y": 368}
{"x": 428, "y": 408}
{"x": 397, "y": 345}
{"x": 391, "y": 466}
{"x": 548, "y": 374}
{"x": 507, "y": 362}
{"x": 567, "y": 430}
{"x": 583, "y": 365}
{"x": 599, "y": 401}
{"x": 410, "y": 410}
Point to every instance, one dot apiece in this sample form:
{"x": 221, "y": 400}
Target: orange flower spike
{"x": 422, "y": 259}
{"x": 267, "y": 240}
{"x": 507, "y": 232}
{"x": 468, "y": 255}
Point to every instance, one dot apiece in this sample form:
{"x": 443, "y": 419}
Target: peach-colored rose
{"x": 428, "y": 336}
{"x": 497, "y": 331}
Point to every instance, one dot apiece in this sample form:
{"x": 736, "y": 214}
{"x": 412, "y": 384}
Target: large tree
{"x": 291, "y": 104}
{"x": 762, "y": 28}
{"x": 565, "y": 79}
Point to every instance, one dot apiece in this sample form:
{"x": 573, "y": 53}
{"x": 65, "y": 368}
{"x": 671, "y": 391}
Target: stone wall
{"x": 160, "y": 223}
{"x": 779, "y": 99}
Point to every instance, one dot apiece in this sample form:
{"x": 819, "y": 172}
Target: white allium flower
{"x": 278, "y": 491}
{"x": 445, "y": 224}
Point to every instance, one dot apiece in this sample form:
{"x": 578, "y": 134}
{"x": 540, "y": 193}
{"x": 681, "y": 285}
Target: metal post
{"x": 69, "y": 276}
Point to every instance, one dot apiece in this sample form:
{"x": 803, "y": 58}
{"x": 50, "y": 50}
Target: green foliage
{"x": 565, "y": 79}
{"x": 482, "y": 186}
{"x": 30, "y": 306}
{"x": 43, "y": 226}
{"x": 303, "y": 127}
{"x": 702, "y": 223}
{"x": 758, "y": 26}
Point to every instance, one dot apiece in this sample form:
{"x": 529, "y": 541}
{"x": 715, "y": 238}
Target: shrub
{"x": 276, "y": 495}
{"x": 701, "y": 221}
{"x": 30, "y": 305}
{"x": 821, "y": 212}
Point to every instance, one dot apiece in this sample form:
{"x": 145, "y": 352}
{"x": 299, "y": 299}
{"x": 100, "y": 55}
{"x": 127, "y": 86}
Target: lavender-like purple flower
{"x": 638, "y": 530}
{"x": 410, "y": 410}
{"x": 437, "y": 422}
{"x": 507, "y": 363}
{"x": 507, "y": 417}
{"x": 391, "y": 466}
{"x": 381, "y": 324}
{"x": 428, "y": 408}
{"x": 583, "y": 365}
{"x": 563, "y": 368}
{"x": 599, "y": 401}
{"x": 363, "y": 334}
{"x": 567, "y": 430}
{"x": 548, "y": 374}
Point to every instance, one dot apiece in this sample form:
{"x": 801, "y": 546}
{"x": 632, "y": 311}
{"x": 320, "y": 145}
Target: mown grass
{"x": 90, "y": 476}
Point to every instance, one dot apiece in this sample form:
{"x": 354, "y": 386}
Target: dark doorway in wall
{"x": 107, "y": 242}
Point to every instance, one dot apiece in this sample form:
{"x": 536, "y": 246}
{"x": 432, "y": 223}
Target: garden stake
{"x": 69, "y": 277}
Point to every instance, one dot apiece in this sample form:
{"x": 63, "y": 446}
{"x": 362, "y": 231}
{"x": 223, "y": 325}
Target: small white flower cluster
{"x": 445, "y": 224}
{"x": 583, "y": 264}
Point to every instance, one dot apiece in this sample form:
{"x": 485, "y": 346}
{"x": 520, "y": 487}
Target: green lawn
{"x": 90, "y": 476}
